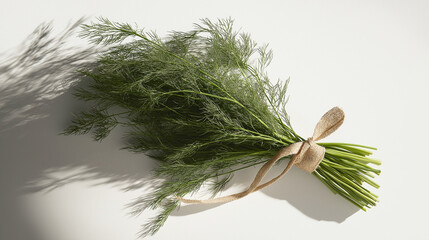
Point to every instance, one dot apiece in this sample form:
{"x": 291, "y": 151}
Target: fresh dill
{"x": 201, "y": 103}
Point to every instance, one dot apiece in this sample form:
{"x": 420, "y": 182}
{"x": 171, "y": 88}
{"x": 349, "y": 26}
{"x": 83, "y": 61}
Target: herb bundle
{"x": 201, "y": 103}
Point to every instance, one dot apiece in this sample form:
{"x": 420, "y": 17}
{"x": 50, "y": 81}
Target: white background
{"x": 369, "y": 57}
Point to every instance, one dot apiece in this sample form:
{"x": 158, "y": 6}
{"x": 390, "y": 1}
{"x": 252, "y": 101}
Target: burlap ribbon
{"x": 307, "y": 156}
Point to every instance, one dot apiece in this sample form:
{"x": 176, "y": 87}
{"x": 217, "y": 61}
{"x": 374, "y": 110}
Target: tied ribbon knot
{"x": 307, "y": 155}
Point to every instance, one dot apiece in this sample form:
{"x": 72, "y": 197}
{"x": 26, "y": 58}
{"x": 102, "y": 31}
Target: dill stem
{"x": 352, "y": 156}
{"x": 347, "y": 144}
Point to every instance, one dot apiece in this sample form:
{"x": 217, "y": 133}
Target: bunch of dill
{"x": 200, "y": 102}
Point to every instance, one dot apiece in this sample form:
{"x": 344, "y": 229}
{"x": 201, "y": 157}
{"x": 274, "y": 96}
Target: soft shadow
{"x": 310, "y": 196}
{"x": 193, "y": 209}
{"x": 36, "y": 105}
{"x": 39, "y": 70}
{"x": 298, "y": 188}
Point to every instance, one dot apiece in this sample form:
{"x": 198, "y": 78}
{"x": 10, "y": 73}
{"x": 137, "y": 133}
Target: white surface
{"x": 369, "y": 57}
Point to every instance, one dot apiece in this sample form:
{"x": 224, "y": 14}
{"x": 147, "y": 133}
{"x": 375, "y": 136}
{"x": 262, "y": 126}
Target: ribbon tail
{"x": 289, "y": 150}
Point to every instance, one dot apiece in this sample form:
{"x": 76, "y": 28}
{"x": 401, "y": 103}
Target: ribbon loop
{"x": 307, "y": 155}
{"x": 329, "y": 123}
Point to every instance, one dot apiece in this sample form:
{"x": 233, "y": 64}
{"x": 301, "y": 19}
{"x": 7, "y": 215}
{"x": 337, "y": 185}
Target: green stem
{"x": 347, "y": 144}
{"x": 352, "y": 156}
